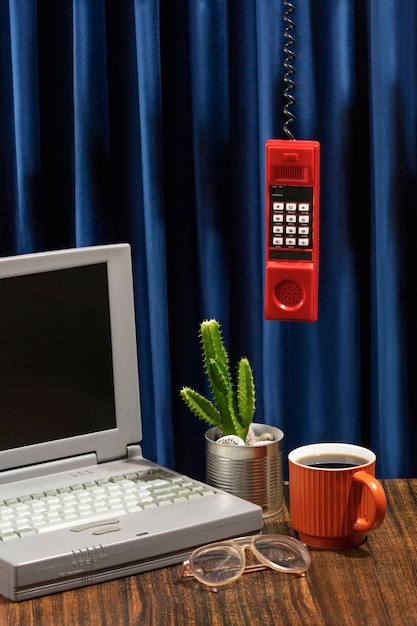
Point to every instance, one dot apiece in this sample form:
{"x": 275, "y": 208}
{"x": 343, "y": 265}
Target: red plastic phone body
{"x": 292, "y": 230}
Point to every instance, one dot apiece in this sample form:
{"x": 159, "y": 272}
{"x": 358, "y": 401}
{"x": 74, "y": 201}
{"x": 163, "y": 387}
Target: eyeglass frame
{"x": 241, "y": 544}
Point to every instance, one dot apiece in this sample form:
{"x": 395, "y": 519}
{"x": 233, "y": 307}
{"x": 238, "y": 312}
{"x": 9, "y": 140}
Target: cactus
{"x": 231, "y": 408}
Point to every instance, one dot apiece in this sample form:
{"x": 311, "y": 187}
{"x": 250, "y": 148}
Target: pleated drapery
{"x": 145, "y": 121}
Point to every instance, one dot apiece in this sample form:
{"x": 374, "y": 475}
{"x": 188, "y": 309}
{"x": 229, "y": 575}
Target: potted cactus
{"x": 232, "y": 408}
{"x": 252, "y": 468}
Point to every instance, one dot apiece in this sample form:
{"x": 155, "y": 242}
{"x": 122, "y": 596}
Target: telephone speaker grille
{"x": 289, "y": 293}
{"x": 289, "y": 172}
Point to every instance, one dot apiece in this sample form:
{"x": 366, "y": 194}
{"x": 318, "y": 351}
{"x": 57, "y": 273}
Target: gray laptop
{"x": 78, "y": 502}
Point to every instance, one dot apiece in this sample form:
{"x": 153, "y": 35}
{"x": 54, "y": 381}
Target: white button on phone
{"x": 290, "y": 241}
{"x": 304, "y": 219}
{"x": 303, "y": 242}
{"x": 277, "y": 206}
{"x": 303, "y": 230}
{"x": 278, "y": 230}
{"x": 291, "y": 206}
{"x": 278, "y": 218}
{"x": 277, "y": 241}
{"x": 303, "y": 207}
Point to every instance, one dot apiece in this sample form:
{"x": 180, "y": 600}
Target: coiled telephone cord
{"x": 290, "y": 69}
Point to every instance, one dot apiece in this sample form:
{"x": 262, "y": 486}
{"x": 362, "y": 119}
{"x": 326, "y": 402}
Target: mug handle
{"x": 379, "y": 497}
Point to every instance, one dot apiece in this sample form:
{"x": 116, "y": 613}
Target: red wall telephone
{"x": 292, "y": 230}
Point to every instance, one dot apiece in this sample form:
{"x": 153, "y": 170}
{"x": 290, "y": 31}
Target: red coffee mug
{"x": 335, "y": 498}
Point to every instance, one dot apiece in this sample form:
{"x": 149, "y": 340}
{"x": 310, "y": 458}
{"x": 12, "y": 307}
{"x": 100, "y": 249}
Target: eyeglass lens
{"x": 283, "y": 553}
{"x": 217, "y": 564}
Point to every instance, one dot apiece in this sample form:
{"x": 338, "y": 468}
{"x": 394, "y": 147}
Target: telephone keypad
{"x": 292, "y": 207}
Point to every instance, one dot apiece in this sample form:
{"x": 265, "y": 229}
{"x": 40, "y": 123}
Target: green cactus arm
{"x": 200, "y": 406}
{"x": 236, "y": 428}
{"x": 219, "y": 380}
{"x": 213, "y": 346}
{"x": 224, "y": 396}
{"x": 245, "y": 392}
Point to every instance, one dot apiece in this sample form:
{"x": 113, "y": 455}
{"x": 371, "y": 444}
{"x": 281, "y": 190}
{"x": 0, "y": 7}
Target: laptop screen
{"x": 56, "y": 374}
{"x": 67, "y": 351}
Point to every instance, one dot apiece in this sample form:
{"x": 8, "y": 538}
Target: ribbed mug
{"x": 335, "y": 498}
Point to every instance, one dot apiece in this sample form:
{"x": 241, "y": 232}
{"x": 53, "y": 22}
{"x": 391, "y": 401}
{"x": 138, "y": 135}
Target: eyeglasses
{"x": 224, "y": 562}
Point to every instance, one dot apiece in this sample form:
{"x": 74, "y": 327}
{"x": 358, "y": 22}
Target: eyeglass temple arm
{"x": 186, "y": 572}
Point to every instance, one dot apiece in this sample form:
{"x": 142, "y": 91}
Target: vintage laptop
{"x": 71, "y": 426}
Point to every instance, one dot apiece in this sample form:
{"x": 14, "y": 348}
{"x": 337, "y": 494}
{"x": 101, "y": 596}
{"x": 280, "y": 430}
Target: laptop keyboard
{"x": 95, "y": 504}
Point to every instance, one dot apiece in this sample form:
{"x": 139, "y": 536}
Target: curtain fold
{"x": 91, "y": 120}
{"x": 393, "y": 176}
{"x": 145, "y": 121}
{"x": 156, "y": 373}
{"x": 25, "y": 149}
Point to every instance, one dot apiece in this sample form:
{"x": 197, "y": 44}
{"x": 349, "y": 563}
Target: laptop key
{"x": 9, "y": 536}
{"x": 25, "y": 532}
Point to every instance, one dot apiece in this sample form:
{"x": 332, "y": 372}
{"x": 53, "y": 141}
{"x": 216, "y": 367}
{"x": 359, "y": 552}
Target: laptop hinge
{"x": 51, "y": 467}
{"x": 134, "y": 452}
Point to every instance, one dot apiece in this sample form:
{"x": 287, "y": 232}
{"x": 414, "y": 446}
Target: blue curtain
{"x": 145, "y": 121}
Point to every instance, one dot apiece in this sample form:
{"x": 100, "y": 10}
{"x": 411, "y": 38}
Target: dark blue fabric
{"x": 145, "y": 121}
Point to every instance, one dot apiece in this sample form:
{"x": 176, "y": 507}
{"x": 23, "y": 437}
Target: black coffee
{"x": 332, "y": 465}
{"x": 332, "y": 461}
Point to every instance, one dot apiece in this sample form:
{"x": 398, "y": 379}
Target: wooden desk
{"x": 373, "y": 585}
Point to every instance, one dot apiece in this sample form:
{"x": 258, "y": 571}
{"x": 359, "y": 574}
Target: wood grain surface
{"x": 373, "y": 585}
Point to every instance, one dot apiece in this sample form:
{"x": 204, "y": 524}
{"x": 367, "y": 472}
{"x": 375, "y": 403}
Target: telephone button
{"x": 291, "y": 219}
{"x": 303, "y": 230}
{"x": 278, "y": 217}
{"x": 277, "y": 230}
{"x": 304, "y": 207}
{"x": 291, "y": 206}
{"x": 290, "y": 241}
{"x": 303, "y": 242}
{"x": 304, "y": 219}
{"x": 277, "y": 241}
{"x": 277, "y": 206}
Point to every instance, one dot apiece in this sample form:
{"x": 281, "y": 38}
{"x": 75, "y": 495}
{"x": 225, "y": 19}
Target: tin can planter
{"x": 251, "y": 472}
